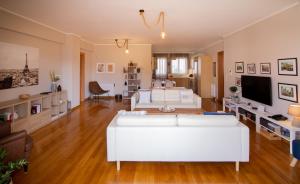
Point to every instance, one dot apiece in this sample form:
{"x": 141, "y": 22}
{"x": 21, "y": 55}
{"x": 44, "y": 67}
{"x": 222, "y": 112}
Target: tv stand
{"x": 283, "y": 129}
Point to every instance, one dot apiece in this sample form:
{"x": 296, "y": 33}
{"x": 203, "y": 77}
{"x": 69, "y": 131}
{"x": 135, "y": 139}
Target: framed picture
{"x": 238, "y": 81}
{"x": 265, "y": 68}
{"x": 101, "y": 67}
{"x": 288, "y": 92}
{"x": 288, "y": 66}
{"x": 251, "y": 69}
{"x": 110, "y": 67}
{"x": 239, "y": 67}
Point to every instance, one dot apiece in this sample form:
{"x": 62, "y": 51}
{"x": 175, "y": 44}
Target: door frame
{"x": 220, "y": 75}
{"x": 82, "y": 76}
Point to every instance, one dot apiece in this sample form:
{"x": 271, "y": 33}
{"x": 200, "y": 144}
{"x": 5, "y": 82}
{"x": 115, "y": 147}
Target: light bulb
{"x": 126, "y": 51}
{"x": 163, "y": 35}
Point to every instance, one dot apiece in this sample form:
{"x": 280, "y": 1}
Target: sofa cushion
{"x": 218, "y": 113}
{"x": 129, "y": 113}
{"x": 147, "y": 120}
{"x": 204, "y": 120}
{"x": 186, "y": 96}
{"x": 172, "y": 95}
{"x": 158, "y": 95}
{"x": 145, "y": 96}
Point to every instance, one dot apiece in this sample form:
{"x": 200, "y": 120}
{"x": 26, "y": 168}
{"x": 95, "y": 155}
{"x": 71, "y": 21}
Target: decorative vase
{"x": 59, "y": 88}
{"x": 53, "y": 87}
{"x": 138, "y": 70}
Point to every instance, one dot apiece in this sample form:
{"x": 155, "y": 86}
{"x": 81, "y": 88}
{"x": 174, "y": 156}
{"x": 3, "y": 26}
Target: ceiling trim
{"x": 201, "y": 49}
{"x": 212, "y": 44}
{"x": 55, "y": 29}
{"x": 31, "y": 20}
{"x": 261, "y": 19}
{"x": 45, "y": 25}
{"x": 99, "y": 44}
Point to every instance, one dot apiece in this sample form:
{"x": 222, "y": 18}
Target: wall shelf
{"x": 262, "y": 120}
{"x": 31, "y": 122}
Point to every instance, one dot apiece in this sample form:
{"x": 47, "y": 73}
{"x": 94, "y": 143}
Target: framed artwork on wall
{"x": 288, "y": 66}
{"x": 265, "y": 68}
{"x": 101, "y": 68}
{"x": 239, "y": 67}
{"x": 238, "y": 81}
{"x": 288, "y": 92}
{"x": 251, "y": 69}
{"x": 19, "y": 66}
{"x": 110, "y": 67}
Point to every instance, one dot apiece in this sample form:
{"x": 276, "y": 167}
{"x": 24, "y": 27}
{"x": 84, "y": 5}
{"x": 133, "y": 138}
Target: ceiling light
{"x": 161, "y": 19}
{"x": 125, "y": 44}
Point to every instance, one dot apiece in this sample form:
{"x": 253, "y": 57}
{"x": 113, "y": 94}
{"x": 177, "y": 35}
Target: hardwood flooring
{"x": 73, "y": 150}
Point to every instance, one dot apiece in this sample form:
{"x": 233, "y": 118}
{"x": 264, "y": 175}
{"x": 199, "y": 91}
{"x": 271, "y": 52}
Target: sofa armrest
{"x": 133, "y": 101}
{"x": 14, "y": 144}
{"x": 13, "y": 137}
{"x": 198, "y": 100}
{"x": 245, "y": 139}
{"x": 111, "y": 140}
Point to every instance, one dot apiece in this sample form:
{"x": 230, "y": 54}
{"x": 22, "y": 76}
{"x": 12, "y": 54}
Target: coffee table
{"x": 177, "y": 111}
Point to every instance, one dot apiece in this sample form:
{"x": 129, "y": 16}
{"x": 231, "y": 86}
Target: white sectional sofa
{"x": 158, "y": 97}
{"x": 177, "y": 138}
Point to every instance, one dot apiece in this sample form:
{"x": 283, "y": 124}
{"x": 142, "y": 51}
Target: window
{"x": 179, "y": 66}
{"x": 161, "y": 67}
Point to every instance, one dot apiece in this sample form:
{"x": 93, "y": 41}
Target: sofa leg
{"x": 118, "y": 165}
{"x": 237, "y": 166}
{"x": 293, "y": 162}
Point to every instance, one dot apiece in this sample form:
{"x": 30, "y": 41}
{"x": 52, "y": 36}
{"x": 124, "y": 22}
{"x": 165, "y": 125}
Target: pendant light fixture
{"x": 160, "y": 20}
{"x": 125, "y": 44}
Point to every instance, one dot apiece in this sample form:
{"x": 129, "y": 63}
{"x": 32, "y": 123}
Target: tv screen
{"x": 257, "y": 88}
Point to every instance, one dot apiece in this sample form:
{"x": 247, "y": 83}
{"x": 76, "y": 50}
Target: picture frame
{"x": 239, "y": 67}
{"x": 101, "y": 68}
{"x": 110, "y": 68}
{"x": 265, "y": 68}
{"x": 288, "y": 92}
{"x": 238, "y": 81}
{"x": 288, "y": 66}
{"x": 251, "y": 68}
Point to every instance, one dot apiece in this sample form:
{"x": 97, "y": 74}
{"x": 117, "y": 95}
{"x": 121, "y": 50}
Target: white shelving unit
{"x": 53, "y": 106}
{"x": 131, "y": 76}
{"x": 292, "y": 132}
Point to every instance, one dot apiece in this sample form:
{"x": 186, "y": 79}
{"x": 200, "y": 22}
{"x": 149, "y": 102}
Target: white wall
{"x": 213, "y": 53}
{"x": 58, "y": 52}
{"x": 267, "y": 41}
{"x": 140, "y": 54}
{"x": 21, "y": 32}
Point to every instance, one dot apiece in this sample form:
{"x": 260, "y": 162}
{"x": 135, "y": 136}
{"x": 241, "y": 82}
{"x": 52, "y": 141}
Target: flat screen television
{"x": 257, "y": 88}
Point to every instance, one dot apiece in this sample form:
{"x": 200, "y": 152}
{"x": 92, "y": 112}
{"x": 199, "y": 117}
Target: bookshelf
{"x": 34, "y": 112}
{"x": 132, "y": 80}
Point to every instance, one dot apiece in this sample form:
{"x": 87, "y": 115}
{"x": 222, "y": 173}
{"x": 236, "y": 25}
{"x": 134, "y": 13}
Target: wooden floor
{"x": 73, "y": 150}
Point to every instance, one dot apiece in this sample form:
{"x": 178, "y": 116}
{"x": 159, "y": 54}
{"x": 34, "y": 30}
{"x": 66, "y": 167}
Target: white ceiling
{"x": 190, "y": 24}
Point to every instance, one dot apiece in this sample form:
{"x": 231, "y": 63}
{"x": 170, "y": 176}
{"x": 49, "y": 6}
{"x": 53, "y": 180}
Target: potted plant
{"x": 234, "y": 93}
{"x": 6, "y": 169}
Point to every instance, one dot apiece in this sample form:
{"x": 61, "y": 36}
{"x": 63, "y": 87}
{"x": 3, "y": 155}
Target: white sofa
{"x": 158, "y": 97}
{"x": 181, "y": 138}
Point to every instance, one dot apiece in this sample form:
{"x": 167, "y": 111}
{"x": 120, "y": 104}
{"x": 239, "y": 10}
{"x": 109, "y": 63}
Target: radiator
{"x": 213, "y": 90}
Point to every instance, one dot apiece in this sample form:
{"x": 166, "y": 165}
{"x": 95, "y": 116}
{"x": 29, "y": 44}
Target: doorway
{"x": 82, "y": 76}
{"x": 220, "y": 76}
{"x": 196, "y": 75}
